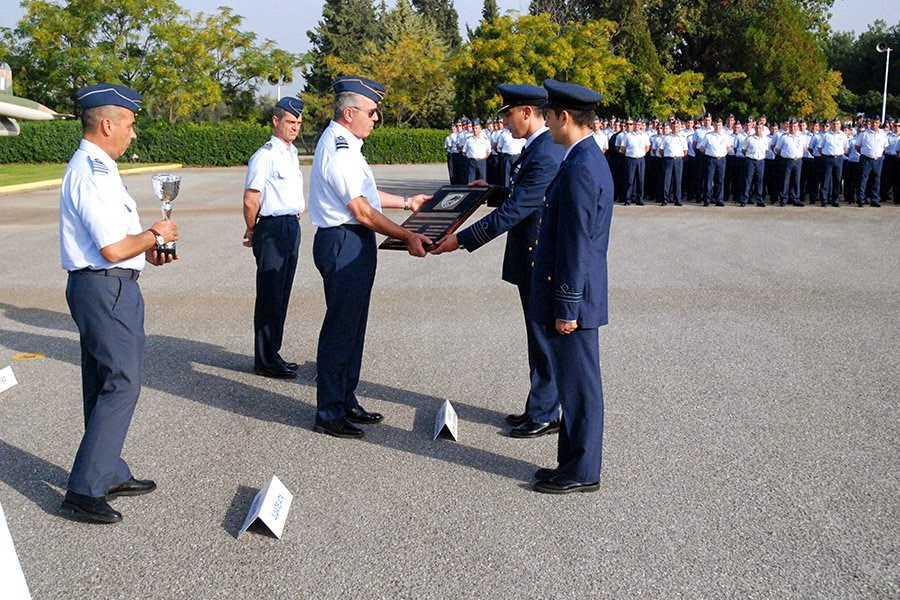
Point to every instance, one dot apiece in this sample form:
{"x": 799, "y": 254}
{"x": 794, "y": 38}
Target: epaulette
{"x": 267, "y": 145}
{"x": 340, "y": 143}
{"x": 98, "y": 167}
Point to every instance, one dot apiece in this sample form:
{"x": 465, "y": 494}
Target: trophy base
{"x": 166, "y": 250}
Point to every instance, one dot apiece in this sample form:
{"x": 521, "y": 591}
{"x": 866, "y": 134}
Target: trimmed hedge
{"x": 390, "y": 146}
{"x": 224, "y": 144}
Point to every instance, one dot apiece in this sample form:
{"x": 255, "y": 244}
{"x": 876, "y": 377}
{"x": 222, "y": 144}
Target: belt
{"x": 132, "y": 274}
{"x": 673, "y": 157}
{"x": 292, "y": 216}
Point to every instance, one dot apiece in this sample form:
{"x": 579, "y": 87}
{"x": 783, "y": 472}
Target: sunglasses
{"x": 371, "y": 112}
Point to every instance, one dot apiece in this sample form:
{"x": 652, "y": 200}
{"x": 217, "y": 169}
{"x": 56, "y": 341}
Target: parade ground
{"x": 751, "y": 371}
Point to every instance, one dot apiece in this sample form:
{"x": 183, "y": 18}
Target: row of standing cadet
{"x": 477, "y": 153}
{"x": 650, "y": 166}
{"x": 791, "y": 164}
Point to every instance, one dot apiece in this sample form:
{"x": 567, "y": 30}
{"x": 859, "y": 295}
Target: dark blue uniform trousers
{"x": 542, "y": 405}
{"x": 634, "y": 179}
{"x": 830, "y": 190}
{"x": 715, "y": 180}
{"x": 576, "y": 366}
{"x": 671, "y": 187}
{"x": 754, "y": 178}
{"x": 346, "y": 258}
{"x": 109, "y": 313}
{"x": 869, "y": 167}
{"x": 276, "y": 246}
{"x": 790, "y": 187}
{"x": 476, "y": 169}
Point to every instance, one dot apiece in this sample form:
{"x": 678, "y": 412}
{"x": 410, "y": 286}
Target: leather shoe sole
{"x": 95, "y": 510}
{"x": 364, "y": 417}
{"x": 517, "y": 419}
{"x": 556, "y": 486}
{"x": 132, "y": 487}
{"x": 339, "y": 429}
{"x": 533, "y": 430}
{"x": 276, "y": 373}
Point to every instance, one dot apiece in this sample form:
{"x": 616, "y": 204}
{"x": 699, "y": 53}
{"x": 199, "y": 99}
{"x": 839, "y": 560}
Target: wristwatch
{"x": 160, "y": 240}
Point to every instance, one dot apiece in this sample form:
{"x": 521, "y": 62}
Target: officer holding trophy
{"x": 104, "y": 249}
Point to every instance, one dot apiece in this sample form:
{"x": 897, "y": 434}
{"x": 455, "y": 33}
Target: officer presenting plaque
{"x": 444, "y": 213}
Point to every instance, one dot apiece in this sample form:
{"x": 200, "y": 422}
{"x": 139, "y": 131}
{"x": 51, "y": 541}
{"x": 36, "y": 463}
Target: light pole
{"x": 882, "y": 47}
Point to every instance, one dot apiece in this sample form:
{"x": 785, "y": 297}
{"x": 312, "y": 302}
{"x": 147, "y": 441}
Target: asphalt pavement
{"x": 750, "y": 370}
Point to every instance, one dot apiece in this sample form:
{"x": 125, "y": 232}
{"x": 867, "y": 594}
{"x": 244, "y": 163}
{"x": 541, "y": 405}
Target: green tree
{"x": 445, "y": 18}
{"x": 863, "y": 68}
{"x": 531, "y": 48}
{"x": 183, "y": 65}
{"x": 341, "y": 35}
{"x": 489, "y": 11}
{"x": 411, "y": 63}
{"x": 786, "y": 69}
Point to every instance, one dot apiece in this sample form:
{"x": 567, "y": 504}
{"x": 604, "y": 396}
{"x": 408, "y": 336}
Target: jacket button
{"x": 530, "y": 248}
{"x": 549, "y": 278}
{"x": 532, "y": 264}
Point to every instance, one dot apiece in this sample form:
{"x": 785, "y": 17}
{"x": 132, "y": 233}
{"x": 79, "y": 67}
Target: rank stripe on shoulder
{"x": 98, "y": 167}
{"x": 340, "y": 143}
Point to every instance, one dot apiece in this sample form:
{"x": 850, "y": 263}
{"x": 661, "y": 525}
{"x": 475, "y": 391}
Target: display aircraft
{"x": 12, "y": 107}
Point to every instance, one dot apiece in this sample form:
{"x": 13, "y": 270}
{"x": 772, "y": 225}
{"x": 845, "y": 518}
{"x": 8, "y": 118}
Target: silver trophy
{"x": 166, "y": 186}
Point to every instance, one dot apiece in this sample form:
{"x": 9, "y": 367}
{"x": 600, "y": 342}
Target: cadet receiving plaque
{"x": 444, "y": 213}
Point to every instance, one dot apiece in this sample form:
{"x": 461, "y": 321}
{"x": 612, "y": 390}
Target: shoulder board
{"x": 98, "y": 167}
{"x": 340, "y": 143}
{"x": 267, "y": 145}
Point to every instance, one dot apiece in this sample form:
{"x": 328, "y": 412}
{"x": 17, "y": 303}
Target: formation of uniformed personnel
{"x": 345, "y": 205}
{"x": 569, "y": 286}
{"x": 273, "y": 201}
{"x": 104, "y": 249}
{"x": 519, "y": 216}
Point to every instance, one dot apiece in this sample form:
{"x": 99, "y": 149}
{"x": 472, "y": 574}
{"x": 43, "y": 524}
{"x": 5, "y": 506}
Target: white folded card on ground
{"x": 446, "y": 421}
{"x": 270, "y": 507}
{"x": 7, "y": 379}
{"x": 12, "y": 579}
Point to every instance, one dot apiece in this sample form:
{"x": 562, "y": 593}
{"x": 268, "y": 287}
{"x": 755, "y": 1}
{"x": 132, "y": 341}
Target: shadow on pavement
{"x": 171, "y": 366}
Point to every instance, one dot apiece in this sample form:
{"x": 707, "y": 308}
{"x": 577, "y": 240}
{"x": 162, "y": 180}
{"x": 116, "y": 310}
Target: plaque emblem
{"x": 451, "y": 201}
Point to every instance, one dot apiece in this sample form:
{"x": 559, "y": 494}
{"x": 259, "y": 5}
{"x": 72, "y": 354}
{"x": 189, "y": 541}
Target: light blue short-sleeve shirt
{"x": 95, "y": 211}
{"x": 339, "y": 174}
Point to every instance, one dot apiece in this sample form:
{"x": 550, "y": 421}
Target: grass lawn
{"x": 26, "y": 173}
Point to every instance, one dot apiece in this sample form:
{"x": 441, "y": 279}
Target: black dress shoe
{"x": 338, "y": 428}
{"x": 543, "y": 474}
{"x": 517, "y": 419}
{"x": 875, "y": 205}
{"x": 762, "y": 204}
{"x": 530, "y": 429}
{"x": 95, "y": 510}
{"x": 132, "y": 487}
{"x": 564, "y": 486}
{"x": 291, "y": 365}
{"x": 361, "y": 415}
{"x": 277, "y": 373}
{"x": 678, "y": 204}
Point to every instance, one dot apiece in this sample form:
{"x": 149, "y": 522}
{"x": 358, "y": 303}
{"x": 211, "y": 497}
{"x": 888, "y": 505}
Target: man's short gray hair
{"x": 343, "y": 101}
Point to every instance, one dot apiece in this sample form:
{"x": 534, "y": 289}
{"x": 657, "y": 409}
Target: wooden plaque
{"x": 444, "y": 213}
